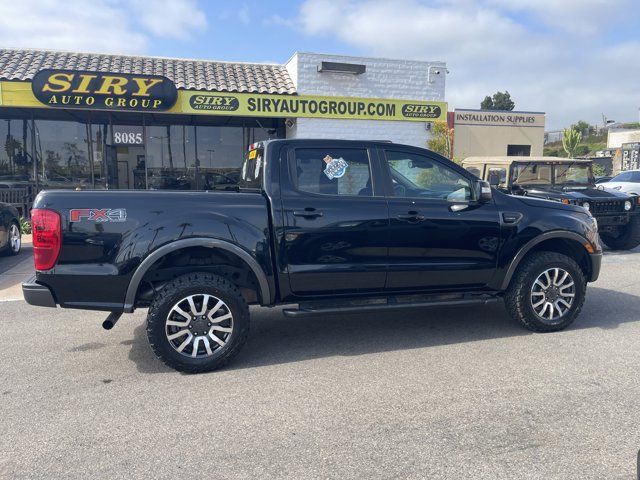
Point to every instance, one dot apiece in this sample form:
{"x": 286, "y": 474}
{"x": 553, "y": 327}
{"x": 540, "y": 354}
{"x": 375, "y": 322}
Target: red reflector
{"x": 45, "y": 226}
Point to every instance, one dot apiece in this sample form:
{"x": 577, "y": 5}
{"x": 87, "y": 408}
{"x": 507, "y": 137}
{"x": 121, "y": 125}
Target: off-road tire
{"x": 627, "y": 240}
{"x": 8, "y": 250}
{"x": 191, "y": 284}
{"x": 517, "y": 298}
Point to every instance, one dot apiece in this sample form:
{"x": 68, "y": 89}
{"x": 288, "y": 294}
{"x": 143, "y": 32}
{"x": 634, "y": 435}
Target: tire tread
{"x": 517, "y": 295}
{"x": 155, "y": 320}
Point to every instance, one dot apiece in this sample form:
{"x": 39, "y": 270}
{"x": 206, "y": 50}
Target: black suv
{"x": 321, "y": 226}
{"x": 569, "y": 181}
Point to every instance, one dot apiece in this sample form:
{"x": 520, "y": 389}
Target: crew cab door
{"x": 335, "y": 220}
{"x": 440, "y": 235}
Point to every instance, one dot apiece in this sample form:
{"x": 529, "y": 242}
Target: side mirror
{"x": 484, "y": 191}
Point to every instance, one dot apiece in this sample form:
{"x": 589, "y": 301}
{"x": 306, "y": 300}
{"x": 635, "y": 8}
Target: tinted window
{"x": 333, "y": 171}
{"x": 416, "y": 175}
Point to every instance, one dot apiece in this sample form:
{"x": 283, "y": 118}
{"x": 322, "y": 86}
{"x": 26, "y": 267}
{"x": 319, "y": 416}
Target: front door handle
{"x": 411, "y": 217}
{"x": 308, "y": 213}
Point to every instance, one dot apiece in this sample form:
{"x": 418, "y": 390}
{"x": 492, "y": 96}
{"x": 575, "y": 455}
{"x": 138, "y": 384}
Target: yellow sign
{"x": 283, "y": 106}
{"x": 20, "y": 94}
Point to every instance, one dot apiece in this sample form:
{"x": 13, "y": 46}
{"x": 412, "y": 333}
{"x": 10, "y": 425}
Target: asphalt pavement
{"x": 442, "y": 394}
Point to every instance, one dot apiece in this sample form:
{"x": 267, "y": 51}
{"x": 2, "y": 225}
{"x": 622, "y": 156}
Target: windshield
{"x": 531, "y": 174}
{"x": 548, "y": 174}
{"x": 573, "y": 173}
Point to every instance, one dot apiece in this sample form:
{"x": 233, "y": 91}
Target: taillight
{"x": 45, "y": 226}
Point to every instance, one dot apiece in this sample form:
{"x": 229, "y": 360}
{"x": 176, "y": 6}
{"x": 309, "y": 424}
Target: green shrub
{"x": 25, "y": 225}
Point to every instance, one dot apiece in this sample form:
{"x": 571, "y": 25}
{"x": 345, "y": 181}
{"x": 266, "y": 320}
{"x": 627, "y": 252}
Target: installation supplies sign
{"x": 499, "y": 118}
{"x": 103, "y": 91}
{"x": 283, "y": 106}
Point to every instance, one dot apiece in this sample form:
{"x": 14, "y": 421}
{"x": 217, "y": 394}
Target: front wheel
{"x": 547, "y": 292}
{"x": 198, "y": 322}
{"x": 629, "y": 237}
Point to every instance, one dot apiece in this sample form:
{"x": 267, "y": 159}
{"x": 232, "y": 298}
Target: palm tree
{"x": 570, "y": 140}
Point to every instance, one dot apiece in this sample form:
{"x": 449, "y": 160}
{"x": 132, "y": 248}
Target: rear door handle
{"x": 308, "y": 213}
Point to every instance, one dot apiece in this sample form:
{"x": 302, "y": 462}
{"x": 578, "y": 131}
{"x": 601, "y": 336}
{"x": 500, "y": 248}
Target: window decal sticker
{"x": 336, "y": 167}
{"x": 256, "y": 174}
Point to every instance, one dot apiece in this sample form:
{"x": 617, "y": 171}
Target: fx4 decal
{"x": 98, "y": 214}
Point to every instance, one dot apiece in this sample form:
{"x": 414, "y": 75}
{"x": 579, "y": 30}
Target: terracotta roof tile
{"x": 188, "y": 74}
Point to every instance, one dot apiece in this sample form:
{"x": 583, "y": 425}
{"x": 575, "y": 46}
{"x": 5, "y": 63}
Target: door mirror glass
{"x": 484, "y": 191}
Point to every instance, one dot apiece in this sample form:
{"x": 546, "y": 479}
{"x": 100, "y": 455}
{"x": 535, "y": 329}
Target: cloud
{"x": 98, "y": 25}
{"x": 177, "y": 19}
{"x": 243, "y": 14}
{"x": 551, "y": 56}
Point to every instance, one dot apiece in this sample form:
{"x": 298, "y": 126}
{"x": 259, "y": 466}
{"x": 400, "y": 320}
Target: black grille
{"x": 613, "y": 206}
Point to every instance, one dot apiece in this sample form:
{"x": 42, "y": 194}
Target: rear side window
{"x": 332, "y": 171}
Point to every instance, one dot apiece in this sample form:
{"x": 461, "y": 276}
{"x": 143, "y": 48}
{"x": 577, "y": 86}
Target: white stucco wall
{"x": 384, "y": 78}
{"x": 616, "y": 137}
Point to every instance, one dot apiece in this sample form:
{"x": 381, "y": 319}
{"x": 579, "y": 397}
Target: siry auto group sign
{"x": 100, "y": 90}
{"x": 311, "y": 106}
{"x": 80, "y": 89}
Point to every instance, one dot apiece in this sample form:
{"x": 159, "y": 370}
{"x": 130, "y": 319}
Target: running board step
{"x": 392, "y": 303}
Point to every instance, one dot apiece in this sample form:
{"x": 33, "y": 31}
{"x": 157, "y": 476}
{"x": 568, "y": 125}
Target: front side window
{"x": 333, "y": 171}
{"x": 417, "y": 176}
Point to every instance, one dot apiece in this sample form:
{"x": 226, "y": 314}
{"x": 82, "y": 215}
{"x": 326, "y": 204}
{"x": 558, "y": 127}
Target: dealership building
{"x": 77, "y": 120}
{"x": 496, "y": 133}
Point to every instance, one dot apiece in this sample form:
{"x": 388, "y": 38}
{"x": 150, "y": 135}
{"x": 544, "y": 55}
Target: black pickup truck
{"x": 322, "y": 226}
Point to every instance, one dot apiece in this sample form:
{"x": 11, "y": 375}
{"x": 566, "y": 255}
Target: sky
{"x": 573, "y": 59}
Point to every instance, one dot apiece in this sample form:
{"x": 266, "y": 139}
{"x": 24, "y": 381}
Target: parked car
{"x": 323, "y": 226}
{"x": 568, "y": 181}
{"x": 10, "y": 234}
{"x": 625, "y": 182}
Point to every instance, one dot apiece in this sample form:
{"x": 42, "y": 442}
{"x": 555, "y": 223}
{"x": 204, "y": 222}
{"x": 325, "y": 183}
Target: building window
{"x": 16, "y": 162}
{"x": 62, "y": 149}
{"x": 519, "y": 150}
{"x": 122, "y": 151}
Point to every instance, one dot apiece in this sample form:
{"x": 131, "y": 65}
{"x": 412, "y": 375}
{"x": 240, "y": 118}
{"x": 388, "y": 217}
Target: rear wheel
{"x": 629, "y": 237}
{"x": 198, "y": 322}
{"x": 14, "y": 240}
{"x": 547, "y": 292}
